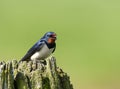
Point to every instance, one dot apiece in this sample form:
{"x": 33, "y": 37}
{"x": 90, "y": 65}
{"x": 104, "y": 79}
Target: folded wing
{"x": 32, "y": 50}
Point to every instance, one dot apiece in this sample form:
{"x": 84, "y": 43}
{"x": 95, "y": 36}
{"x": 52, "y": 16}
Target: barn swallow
{"x": 42, "y": 49}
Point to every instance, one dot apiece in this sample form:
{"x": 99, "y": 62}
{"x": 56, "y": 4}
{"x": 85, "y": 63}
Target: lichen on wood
{"x": 33, "y": 75}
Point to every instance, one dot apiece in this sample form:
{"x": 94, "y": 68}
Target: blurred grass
{"x": 88, "y": 44}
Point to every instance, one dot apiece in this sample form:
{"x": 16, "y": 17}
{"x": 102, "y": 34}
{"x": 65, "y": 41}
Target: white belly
{"x": 42, "y": 54}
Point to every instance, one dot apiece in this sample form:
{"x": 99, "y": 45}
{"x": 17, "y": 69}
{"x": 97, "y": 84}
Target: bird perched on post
{"x": 42, "y": 49}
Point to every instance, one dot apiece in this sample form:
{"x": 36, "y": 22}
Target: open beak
{"x": 54, "y": 36}
{"x": 52, "y": 39}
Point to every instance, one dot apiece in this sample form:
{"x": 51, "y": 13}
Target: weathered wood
{"x": 33, "y": 75}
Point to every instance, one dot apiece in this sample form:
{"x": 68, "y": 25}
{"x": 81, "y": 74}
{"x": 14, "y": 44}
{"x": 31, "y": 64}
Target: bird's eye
{"x": 51, "y": 35}
{"x": 48, "y": 35}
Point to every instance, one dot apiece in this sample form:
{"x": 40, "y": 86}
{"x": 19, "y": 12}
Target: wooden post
{"x": 33, "y": 75}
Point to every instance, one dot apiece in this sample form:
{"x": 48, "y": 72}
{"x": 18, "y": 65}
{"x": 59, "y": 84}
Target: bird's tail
{"x": 24, "y": 59}
{"x": 21, "y": 60}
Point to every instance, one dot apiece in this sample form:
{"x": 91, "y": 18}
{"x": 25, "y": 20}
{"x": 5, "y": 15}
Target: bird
{"x": 42, "y": 49}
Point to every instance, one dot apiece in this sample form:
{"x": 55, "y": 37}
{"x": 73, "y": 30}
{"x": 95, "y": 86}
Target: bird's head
{"x": 50, "y": 37}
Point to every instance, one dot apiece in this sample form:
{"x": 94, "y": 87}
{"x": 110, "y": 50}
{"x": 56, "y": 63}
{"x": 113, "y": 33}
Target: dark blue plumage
{"x": 42, "y": 49}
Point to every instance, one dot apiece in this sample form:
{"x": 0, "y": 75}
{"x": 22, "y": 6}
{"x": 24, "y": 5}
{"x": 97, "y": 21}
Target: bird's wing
{"x": 32, "y": 50}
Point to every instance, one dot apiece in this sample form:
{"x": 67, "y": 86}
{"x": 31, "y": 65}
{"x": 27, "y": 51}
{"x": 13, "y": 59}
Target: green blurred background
{"x": 88, "y": 45}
